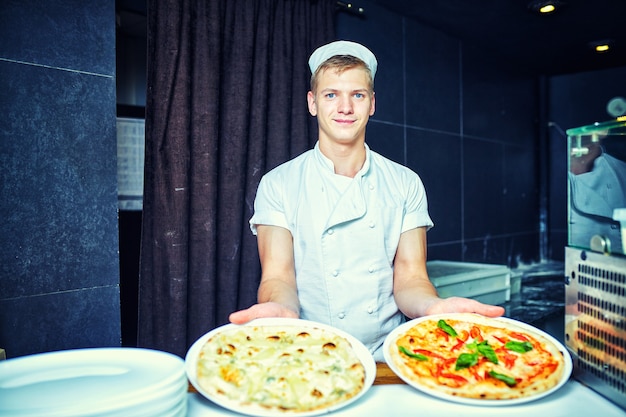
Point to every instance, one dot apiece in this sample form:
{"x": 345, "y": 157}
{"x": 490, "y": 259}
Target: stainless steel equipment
{"x": 595, "y": 259}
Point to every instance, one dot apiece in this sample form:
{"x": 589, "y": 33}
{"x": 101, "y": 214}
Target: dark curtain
{"x": 226, "y": 102}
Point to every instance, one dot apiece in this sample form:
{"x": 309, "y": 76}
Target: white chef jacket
{"x": 593, "y": 197}
{"x": 345, "y": 235}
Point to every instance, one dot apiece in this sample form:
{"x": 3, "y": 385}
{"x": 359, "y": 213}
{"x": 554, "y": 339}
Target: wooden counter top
{"x": 385, "y": 376}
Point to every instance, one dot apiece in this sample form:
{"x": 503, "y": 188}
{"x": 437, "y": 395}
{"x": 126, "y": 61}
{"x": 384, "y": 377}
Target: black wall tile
{"x": 78, "y": 34}
{"x": 497, "y": 105}
{"x": 450, "y": 251}
{"x": 59, "y": 175}
{"x": 433, "y": 80}
{"x": 388, "y": 140}
{"x": 489, "y": 250}
{"x": 436, "y": 157}
{"x": 521, "y": 189}
{"x": 62, "y": 320}
{"x": 483, "y": 189}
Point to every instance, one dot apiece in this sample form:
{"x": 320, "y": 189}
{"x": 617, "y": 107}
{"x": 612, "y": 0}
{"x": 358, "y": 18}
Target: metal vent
{"x": 595, "y": 322}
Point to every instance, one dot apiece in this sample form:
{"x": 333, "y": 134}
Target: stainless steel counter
{"x": 541, "y": 300}
{"x": 572, "y": 400}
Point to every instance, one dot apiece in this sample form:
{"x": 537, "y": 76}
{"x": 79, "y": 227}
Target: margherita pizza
{"x": 476, "y": 357}
{"x": 279, "y": 369}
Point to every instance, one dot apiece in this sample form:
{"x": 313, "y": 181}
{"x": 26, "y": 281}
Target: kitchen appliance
{"x": 595, "y": 258}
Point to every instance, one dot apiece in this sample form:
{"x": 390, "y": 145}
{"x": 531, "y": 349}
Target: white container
{"x": 516, "y": 282}
{"x": 486, "y": 283}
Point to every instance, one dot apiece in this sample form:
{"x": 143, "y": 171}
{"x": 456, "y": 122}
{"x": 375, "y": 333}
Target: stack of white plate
{"x": 99, "y": 382}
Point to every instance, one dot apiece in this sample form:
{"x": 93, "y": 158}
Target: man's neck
{"x": 348, "y": 159}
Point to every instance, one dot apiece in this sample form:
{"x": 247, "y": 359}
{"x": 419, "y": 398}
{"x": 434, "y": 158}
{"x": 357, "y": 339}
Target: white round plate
{"x": 191, "y": 360}
{"x": 390, "y": 342}
{"x": 86, "y": 382}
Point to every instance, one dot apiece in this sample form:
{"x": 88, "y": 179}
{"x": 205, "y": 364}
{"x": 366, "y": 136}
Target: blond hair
{"x": 339, "y": 64}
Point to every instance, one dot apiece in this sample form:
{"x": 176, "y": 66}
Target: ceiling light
{"x": 601, "y": 46}
{"x": 544, "y": 6}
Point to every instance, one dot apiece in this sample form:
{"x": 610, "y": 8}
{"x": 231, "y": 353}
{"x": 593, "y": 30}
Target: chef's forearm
{"x": 414, "y": 301}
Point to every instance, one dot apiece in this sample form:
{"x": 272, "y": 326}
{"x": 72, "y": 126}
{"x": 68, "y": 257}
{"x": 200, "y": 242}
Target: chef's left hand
{"x": 464, "y": 305}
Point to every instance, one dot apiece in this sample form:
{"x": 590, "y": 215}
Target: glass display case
{"x": 597, "y": 187}
{"x": 595, "y": 259}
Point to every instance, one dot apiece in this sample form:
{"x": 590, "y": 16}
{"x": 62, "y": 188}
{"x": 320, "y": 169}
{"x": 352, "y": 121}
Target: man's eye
{"x": 359, "y": 95}
{"x": 330, "y": 95}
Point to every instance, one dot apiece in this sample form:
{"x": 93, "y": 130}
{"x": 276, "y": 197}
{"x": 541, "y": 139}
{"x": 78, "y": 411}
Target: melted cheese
{"x": 277, "y": 368}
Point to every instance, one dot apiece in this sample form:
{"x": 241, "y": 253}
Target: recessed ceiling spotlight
{"x": 602, "y": 46}
{"x": 545, "y": 6}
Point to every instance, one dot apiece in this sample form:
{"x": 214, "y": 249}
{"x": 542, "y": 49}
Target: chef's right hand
{"x": 262, "y": 310}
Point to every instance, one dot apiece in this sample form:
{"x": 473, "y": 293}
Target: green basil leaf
{"x": 465, "y": 360}
{"x": 413, "y": 355}
{"x": 487, "y": 351}
{"x": 446, "y": 328}
{"x": 519, "y": 347}
{"x": 510, "y": 381}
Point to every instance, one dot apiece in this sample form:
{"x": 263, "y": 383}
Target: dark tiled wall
{"x": 59, "y": 276}
{"x": 467, "y": 125}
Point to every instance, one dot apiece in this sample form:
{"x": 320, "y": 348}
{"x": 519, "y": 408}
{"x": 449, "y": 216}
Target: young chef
{"x": 341, "y": 230}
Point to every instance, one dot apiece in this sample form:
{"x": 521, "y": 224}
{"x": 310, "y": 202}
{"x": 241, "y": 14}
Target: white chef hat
{"x": 324, "y": 52}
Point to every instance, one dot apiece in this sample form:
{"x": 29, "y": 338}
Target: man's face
{"x": 342, "y": 104}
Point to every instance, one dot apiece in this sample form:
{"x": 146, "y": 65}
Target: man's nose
{"x": 345, "y": 105}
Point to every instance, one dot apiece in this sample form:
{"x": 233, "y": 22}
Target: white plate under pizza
{"x": 476, "y": 360}
{"x": 279, "y": 366}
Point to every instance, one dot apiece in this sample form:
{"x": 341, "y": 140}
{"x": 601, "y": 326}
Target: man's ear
{"x": 310, "y": 98}
{"x": 373, "y": 106}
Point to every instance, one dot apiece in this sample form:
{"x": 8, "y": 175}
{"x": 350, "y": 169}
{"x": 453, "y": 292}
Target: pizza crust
{"x": 535, "y": 372}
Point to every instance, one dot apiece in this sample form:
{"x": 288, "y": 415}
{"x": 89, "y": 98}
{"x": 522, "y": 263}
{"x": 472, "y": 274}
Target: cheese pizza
{"x": 476, "y": 357}
{"x": 280, "y": 369}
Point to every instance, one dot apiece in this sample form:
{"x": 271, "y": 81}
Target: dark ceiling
{"x": 553, "y": 44}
